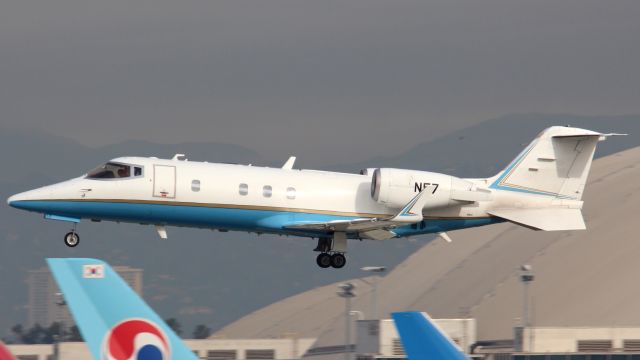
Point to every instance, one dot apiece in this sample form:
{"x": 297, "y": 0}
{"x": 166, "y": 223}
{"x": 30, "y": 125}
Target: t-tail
{"x": 114, "y": 321}
{"x": 546, "y": 180}
{"x": 423, "y": 339}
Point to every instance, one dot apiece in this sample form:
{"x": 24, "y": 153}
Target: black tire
{"x": 323, "y": 260}
{"x": 338, "y": 261}
{"x": 72, "y": 239}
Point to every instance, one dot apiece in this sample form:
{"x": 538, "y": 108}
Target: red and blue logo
{"x": 136, "y": 339}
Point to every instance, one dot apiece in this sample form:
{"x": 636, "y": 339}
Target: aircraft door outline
{"x": 164, "y": 181}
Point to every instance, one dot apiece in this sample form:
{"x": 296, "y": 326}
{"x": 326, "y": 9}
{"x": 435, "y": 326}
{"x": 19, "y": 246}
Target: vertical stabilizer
{"x": 423, "y": 339}
{"x": 555, "y": 164}
{"x": 5, "y": 354}
{"x": 113, "y": 320}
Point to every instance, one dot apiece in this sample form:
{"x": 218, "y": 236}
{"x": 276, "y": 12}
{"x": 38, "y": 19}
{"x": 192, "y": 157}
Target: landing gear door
{"x": 164, "y": 181}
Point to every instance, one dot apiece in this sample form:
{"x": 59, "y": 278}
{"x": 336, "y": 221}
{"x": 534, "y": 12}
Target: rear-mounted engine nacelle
{"x": 396, "y": 187}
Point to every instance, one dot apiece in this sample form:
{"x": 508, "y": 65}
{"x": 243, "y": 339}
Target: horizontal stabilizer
{"x": 550, "y": 219}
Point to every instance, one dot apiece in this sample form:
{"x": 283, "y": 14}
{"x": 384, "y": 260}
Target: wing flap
{"x": 378, "y": 234}
{"x": 355, "y": 225}
{"x": 553, "y": 219}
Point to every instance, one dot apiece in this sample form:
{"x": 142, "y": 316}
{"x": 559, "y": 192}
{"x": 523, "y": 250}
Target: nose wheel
{"x": 72, "y": 239}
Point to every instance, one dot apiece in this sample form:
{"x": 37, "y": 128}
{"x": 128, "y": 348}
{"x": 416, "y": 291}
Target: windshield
{"x": 113, "y": 171}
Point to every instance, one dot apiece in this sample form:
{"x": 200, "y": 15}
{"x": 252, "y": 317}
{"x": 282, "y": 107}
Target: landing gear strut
{"x": 72, "y": 239}
{"x": 332, "y": 251}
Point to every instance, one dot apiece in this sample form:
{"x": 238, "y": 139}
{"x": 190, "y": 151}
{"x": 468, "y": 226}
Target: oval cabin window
{"x": 243, "y": 189}
{"x": 195, "y": 185}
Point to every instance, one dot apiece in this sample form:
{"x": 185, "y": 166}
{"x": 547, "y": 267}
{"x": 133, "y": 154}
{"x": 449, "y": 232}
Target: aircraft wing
{"x": 370, "y": 228}
{"x": 355, "y": 225}
{"x": 373, "y": 228}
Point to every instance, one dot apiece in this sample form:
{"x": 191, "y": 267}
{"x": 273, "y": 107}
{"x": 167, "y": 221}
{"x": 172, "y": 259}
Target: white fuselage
{"x": 238, "y": 197}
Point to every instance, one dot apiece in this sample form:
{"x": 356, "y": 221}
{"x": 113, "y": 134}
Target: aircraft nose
{"x": 13, "y": 200}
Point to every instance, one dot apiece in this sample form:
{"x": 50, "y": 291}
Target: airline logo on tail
{"x": 93, "y": 271}
{"x": 136, "y": 339}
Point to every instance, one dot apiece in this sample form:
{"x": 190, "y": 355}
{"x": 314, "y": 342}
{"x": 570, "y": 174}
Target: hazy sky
{"x": 323, "y": 79}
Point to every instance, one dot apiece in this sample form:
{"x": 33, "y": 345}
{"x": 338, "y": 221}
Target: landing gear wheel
{"x": 323, "y": 260}
{"x": 338, "y": 261}
{"x": 71, "y": 239}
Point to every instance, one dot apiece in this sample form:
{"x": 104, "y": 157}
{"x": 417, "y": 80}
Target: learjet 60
{"x": 540, "y": 189}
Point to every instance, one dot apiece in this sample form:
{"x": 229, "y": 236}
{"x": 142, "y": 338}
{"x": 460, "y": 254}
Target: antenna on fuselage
{"x": 179, "y": 157}
{"x": 289, "y": 164}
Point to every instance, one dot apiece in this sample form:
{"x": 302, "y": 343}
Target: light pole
{"x": 58, "y": 338}
{"x": 347, "y": 292}
{"x": 526, "y": 277}
{"x": 374, "y": 284}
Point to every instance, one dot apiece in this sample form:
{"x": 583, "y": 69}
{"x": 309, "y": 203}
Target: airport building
{"x": 378, "y": 340}
{"x": 44, "y": 301}
{"x": 208, "y": 349}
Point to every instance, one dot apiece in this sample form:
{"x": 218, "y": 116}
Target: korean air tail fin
{"x": 556, "y": 164}
{"x": 5, "y": 354}
{"x": 114, "y": 321}
{"x": 423, "y": 339}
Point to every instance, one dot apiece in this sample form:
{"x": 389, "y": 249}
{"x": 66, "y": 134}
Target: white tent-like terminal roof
{"x": 583, "y": 278}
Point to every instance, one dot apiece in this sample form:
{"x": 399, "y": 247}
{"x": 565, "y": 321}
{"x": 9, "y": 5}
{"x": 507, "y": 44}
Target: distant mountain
{"x": 33, "y": 152}
{"x": 200, "y": 276}
{"x": 486, "y": 148}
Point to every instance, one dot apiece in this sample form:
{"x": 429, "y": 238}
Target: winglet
{"x": 289, "y": 164}
{"x": 110, "y": 315}
{"x": 412, "y": 212}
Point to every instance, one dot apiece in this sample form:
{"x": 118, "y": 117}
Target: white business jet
{"x": 540, "y": 189}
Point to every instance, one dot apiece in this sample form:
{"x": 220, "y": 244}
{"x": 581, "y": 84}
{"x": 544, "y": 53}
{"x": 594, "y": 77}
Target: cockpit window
{"x": 114, "y": 171}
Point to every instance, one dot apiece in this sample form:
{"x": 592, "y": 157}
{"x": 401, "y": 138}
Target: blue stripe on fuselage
{"x": 271, "y": 221}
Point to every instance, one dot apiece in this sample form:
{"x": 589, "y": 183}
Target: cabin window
{"x": 291, "y": 193}
{"x": 195, "y": 185}
{"x": 244, "y": 189}
{"x": 137, "y": 171}
{"x": 267, "y": 190}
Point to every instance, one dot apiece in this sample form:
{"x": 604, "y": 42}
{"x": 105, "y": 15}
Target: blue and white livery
{"x": 541, "y": 189}
{"x": 422, "y": 339}
{"x": 114, "y": 321}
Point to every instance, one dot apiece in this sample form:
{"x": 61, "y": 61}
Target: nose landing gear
{"x": 72, "y": 239}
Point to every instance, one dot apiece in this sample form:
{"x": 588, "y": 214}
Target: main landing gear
{"x": 332, "y": 251}
{"x": 72, "y": 239}
{"x": 325, "y": 260}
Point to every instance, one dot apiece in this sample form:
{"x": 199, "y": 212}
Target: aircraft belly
{"x": 180, "y": 215}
